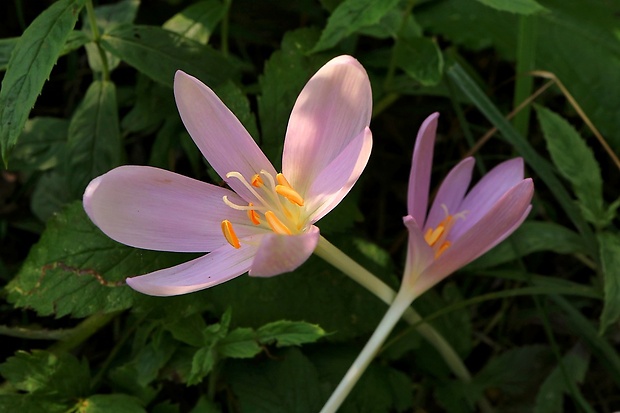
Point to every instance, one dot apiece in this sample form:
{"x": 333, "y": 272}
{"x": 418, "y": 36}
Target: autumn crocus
{"x": 460, "y": 226}
{"x": 263, "y": 224}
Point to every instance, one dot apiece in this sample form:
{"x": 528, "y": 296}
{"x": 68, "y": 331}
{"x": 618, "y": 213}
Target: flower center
{"x": 278, "y": 206}
{"x": 437, "y": 237}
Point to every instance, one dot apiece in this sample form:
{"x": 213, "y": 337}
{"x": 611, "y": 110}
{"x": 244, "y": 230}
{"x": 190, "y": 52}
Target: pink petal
{"x": 337, "y": 179}
{"x": 333, "y": 108}
{"x": 212, "y": 269}
{"x": 219, "y": 135}
{"x": 154, "y": 209}
{"x": 278, "y": 254}
{"x": 419, "y": 254}
{"x": 420, "y": 176}
{"x": 498, "y": 223}
{"x": 451, "y": 192}
{"x": 487, "y": 191}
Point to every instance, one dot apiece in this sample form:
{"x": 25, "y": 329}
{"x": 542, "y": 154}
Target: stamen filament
{"x": 240, "y": 177}
{"x": 250, "y": 207}
{"x": 276, "y": 225}
{"x": 229, "y": 234}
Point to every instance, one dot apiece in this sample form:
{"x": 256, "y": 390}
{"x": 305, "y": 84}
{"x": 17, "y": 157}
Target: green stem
{"x": 526, "y": 55}
{"x": 92, "y": 21}
{"x": 224, "y": 29}
{"x": 83, "y": 331}
{"x": 401, "y": 303}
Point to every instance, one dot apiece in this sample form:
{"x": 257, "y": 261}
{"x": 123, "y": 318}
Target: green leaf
{"x": 197, "y": 21}
{"x": 420, "y": 58}
{"x": 289, "y": 333}
{"x": 45, "y": 373}
{"x": 234, "y": 98}
{"x": 188, "y": 330}
{"x": 349, "y": 17}
{"x": 550, "y": 397}
{"x": 515, "y": 6}
{"x": 290, "y": 383}
{"x": 531, "y": 237}
{"x": 41, "y": 145}
{"x": 239, "y": 343}
{"x": 151, "y": 105}
{"x": 76, "y": 270}
{"x": 51, "y": 193}
{"x": 106, "y": 403}
{"x": 107, "y": 16}
{"x": 284, "y": 75}
{"x": 576, "y": 162}
{"x": 94, "y": 145}
{"x": 6, "y": 48}
{"x": 31, "y": 404}
{"x": 610, "y": 267}
{"x": 31, "y": 62}
{"x": 159, "y": 53}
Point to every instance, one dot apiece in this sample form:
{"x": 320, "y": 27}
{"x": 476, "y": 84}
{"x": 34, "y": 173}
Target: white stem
{"x": 402, "y": 301}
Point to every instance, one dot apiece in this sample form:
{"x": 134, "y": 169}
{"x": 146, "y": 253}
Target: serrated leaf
{"x": 420, "y": 58}
{"x": 30, "y": 64}
{"x": 289, "y": 333}
{"x": 45, "y": 373}
{"x": 239, "y": 343}
{"x": 515, "y": 6}
{"x": 159, "y": 53}
{"x": 202, "y": 363}
{"x": 106, "y": 403}
{"x": 31, "y": 404}
{"x": 350, "y": 16}
{"x": 284, "y": 75}
{"x": 41, "y": 144}
{"x": 197, "y": 21}
{"x": 234, "y": 98}
{"x": 576, "y": 162}
{"x": 94, "y": 145}
{"x": 610, "y": 267}
{"x": 188, "y": 329}
{"x": 76, "y": 270}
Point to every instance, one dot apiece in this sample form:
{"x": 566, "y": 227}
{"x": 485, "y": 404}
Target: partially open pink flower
{"x": 460, "y": 225}
{"x": 265, "y": 224}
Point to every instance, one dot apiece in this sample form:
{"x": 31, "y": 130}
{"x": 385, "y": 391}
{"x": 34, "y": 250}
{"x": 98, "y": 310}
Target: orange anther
{"x": 229, "y": 234}
{"x": 441, "y": 249}
{"x": 282, "y": 180}
{"x": 276, "y": 225}
{"x": 257, "y": 181}
{"x": 290, "y": 194}
{"x": 253, "y": 215}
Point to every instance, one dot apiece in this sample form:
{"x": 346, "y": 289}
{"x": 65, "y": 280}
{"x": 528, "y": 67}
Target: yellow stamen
{"x": 229, "y": 234}
{"x": 432, "y": 235}
{"x": 276, "y": 225}
{"x": 257, "y": 181}
{"x": 441, "y": 249}
{"x": 253, "y": 215}
{"x": 282, "y": 180}
{"x": 290, "y": 194}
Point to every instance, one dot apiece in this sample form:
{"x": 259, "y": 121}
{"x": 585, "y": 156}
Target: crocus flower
{"x": 459, "y": 227}
{"x": 264, "y": 223}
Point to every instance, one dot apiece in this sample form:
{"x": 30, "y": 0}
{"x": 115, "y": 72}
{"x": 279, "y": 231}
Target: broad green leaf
{"x": 188, "y": 329}
{"x": 239, "y": 343}
{"x": 197, "y": 21}
{"x": 284, "y": 75}
{"x": 576, "y": 162}
{"x": 350, "y": 16}
{"x": 514, "y": 6}
{"x": 31, "y": 62}
{"x": 289, "y": 383}
{"x": 531, "y": 237}
{"x": 202, "y": 363}
{"x": 94, "y": 145}
{"x": 107, "y": 403}
{"x": 31, "y": 404}
{"x": 289, "y": 333}
{"x": 76, "y": 270}
{"x": 204, "y": 405}
{"x": 420, "y": 58}
{"x": 107, "y": 16}
{"x": 151, "y": 105}
{"x": 610, "y": 266}
{"x": 41, "y": 144}
{"x": 159, "y": 53}
{"x": 51, "y": 193}
{"x": 393, "y": 26}
{"x": 45, "y": 373}
{"x": 6, "y": 48}
{"x": 550, "y": 397}
{"x": 234, "y": 98}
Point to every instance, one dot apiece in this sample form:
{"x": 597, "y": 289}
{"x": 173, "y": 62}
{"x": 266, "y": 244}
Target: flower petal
{"x": 332, "y": 109}
{"x": 419, "y": 253}
{"x": 337, "y": 178}
{"x": 155, "y": 209}
{"x": 212, "y": 269}
{"x": 219, "y": 135}
{"x": 486, "y": 192}
{"x": 451, "y": 192}
{"x": 499, "y": 222}
{"x": 278, "y": 254}
{"x": 420, "y": 175}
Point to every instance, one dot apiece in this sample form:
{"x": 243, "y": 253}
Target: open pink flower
{"x": 264, "y": 224}
{"x": 460, "y": 225}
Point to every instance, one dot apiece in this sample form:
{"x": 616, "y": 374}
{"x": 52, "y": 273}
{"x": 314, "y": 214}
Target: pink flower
{"x": 264, "y": 224}
{"x": 460, "y": 225}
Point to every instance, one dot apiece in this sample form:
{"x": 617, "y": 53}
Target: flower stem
{"x": 403, "y": 300}
{"x": 92, "y": 21}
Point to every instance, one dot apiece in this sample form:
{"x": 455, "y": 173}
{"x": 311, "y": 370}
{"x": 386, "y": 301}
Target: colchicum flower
{"x": 264, "y": 224}
{"x": 459, "y": 227}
